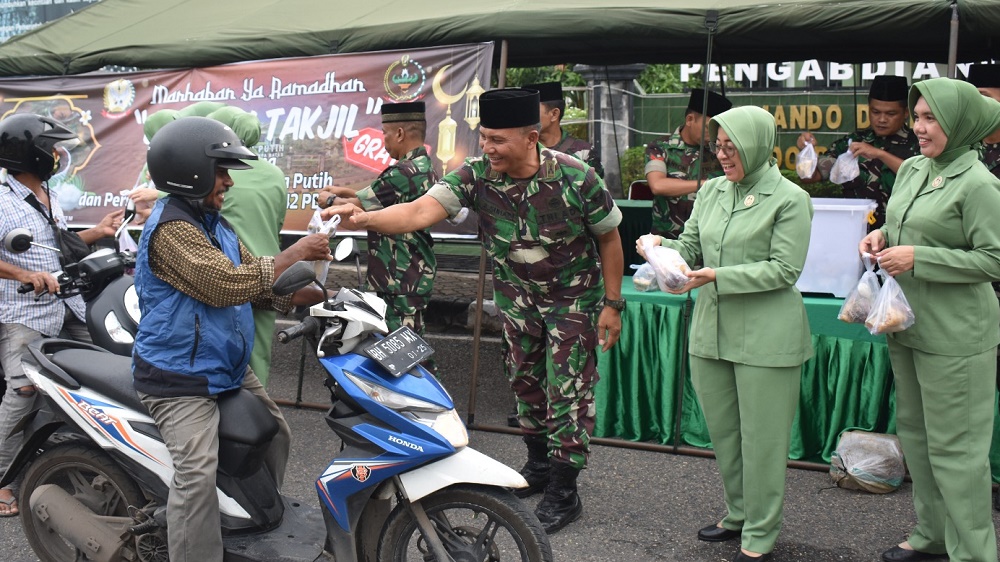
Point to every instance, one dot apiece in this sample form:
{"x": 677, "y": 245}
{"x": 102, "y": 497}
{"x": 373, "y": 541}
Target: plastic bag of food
{"x": 670, "y": 268}
{"x": 805, "y": 164}
{"x": 858, "y": 304}
{"x": 891, "y": 311}
{"x": 644, "y": 278}
{"x": 872, "y": 462}
{"x": 316, "y": 224}
{"x": 845, "y": 168}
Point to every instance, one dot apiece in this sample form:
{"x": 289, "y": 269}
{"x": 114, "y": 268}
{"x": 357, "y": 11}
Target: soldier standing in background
{"x": 401, "y": 267}
{"x": 552, "y": 230}
{"x": 672, "y": 165}
{"x": 880, "y": 148}
{"x": 551, "y": 109}
{"x": 986, "y": 78}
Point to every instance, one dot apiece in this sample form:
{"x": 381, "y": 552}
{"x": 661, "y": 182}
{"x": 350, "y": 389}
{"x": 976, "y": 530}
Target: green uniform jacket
{"x": 952, "y": 227}
{"x": 757, "y": 242}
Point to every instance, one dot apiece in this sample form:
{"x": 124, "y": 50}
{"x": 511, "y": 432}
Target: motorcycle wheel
{"x": 475, "y": 523}
{"x": 87, "y": 474}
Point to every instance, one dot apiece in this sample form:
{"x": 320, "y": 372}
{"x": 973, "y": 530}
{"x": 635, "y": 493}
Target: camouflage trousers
{"x": 551, "y": 363}
{"x": 407, "y": 310}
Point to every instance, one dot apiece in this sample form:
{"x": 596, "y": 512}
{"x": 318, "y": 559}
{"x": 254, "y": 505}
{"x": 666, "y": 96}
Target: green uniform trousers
{"x": 749, "y": 412}
{"x": 944, "y": 412}
{"x": 263, "y": 337}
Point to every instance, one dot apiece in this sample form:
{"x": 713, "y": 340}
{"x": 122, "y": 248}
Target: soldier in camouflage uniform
{"x": 401, "y": 267}
{"x": 551, "y": 108}
{"x": 880, "y": 148}
{"x": 672, "y": 165}
{"x": 986, "y": 78}
{"x": 551, "y": 227}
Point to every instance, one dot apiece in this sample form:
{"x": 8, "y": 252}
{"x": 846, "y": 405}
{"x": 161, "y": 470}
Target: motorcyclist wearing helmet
{"x": 196, "y": 283}
{"x": 28, "y": 156}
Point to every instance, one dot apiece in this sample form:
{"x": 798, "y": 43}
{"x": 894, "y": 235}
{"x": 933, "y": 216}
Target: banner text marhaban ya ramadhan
{"x": 320, "y": 118}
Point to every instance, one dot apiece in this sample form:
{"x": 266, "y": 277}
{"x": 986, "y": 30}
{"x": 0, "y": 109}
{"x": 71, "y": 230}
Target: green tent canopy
{"x": 153, "y": 34}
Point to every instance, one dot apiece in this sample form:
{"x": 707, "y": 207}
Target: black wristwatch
{"x": 618, "y": 305}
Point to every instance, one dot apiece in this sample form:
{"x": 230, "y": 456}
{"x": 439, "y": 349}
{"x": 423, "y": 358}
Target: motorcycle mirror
{"x": 18, "y": 240}
{"x": 297, "y": 276}
{"x": 346, "y": 249}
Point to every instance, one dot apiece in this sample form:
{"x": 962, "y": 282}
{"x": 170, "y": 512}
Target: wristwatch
{"x": 618, "y": 305}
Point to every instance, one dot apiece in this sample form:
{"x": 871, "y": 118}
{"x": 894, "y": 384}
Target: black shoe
{"x": 537, "y": 474}
{"x": 512, "y": 419}
{"x": 561, "y": 504}
{"x": 714, "y": 533}
{"x": 897, "y": 554}
{"x": 743, "y": 557}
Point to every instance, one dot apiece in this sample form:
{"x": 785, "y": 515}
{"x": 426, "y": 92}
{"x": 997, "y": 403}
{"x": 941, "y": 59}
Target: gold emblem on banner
{"x": 938, "y": 181}
{"x": 748, "y": 201}
{"x": 447, "y": 127}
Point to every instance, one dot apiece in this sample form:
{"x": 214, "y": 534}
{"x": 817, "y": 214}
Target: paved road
{"x": 639, "y": 506}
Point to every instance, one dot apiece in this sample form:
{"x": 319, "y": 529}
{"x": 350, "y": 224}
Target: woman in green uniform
{"x": 941, "y": 241}
{"x": 750, "y": 333}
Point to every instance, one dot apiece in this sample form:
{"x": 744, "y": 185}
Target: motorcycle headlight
{"x": 115, "y": 329}
{"x": 391, "y": 398}
{"x": 447, "y": 423}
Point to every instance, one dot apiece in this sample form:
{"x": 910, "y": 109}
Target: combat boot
{"x": 536, "y": 471}
{"x": 561, "y": 504}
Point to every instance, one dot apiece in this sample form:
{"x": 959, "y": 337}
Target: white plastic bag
{"x": 858, "y": 304}
{"x": 845, "y": 168}
{"x": 644, "y": 278}
{"x": 316, "y": 224}
{"x": 805, "y": 164}
{"x": 670, "y": 268}
{"x": 867, "y": 461}
{"x": 890, "y": 312}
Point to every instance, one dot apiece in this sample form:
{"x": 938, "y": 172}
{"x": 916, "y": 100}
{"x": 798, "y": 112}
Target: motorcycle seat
{"x": 103, "y": 372}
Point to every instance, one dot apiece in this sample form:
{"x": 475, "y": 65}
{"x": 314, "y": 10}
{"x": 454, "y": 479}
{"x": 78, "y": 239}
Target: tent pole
{"x": 477, "y": 330}
{"x": 953, "y": 42}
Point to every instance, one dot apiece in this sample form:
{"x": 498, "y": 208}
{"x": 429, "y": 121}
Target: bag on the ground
{"x": 891, "y": 311}
{"x": 805, "y": 164}
{"x": 858, "y": 304}
{"x": 644, "y": 278}
{"x": 872, "y": 462}
{"x": 845, "y": 168}
{"x": 670, "y": 268}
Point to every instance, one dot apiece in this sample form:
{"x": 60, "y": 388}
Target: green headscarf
{"x": 156, "y": 121}
{"x": 245, "y": 125}
{"x": 965, "y": 115}
{"x": 753, "y": 131}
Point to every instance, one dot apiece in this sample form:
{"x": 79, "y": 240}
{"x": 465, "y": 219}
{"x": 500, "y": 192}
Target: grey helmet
{"x": 185, "y": 153}
{"x": 27, "y": 143}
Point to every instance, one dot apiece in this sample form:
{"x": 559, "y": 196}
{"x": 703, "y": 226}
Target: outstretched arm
{"x": 395, "y": 219}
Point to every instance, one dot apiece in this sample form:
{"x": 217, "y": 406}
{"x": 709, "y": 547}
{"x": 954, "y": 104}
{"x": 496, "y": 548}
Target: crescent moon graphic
{"x": 440, "y": 94}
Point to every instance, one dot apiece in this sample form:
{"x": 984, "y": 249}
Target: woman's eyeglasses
{"x": 729, "y": 149}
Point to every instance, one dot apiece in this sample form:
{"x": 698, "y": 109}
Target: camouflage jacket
{"x": 876, "y": 179}
{"x": 581, "y": 149}
{"x": 401, "y": 264}
{"x": 989, "y": 154}
{"x": 677, "y": 159}
{"x": 540, "y": 232}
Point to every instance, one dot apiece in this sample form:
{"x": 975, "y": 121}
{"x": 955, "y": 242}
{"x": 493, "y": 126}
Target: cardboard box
{"x": 833, "y": 265}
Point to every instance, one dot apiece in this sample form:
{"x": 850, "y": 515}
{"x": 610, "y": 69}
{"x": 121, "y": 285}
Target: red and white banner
{"x": 320, "y": 116}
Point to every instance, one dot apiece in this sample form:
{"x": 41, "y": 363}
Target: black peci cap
{"x": 717, "y": 103}
{"x": 399, "y": 112}
{"x": 889, "y": 88}
{"x": 508, "y": 108}
{"x": 985, "y": 75}
{"x": 547, "y": 91}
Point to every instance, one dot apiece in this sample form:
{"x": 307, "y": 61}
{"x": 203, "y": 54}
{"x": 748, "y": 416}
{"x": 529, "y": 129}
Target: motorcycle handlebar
{"x": 26, "y": 288}
{"x": 306, "y": 327}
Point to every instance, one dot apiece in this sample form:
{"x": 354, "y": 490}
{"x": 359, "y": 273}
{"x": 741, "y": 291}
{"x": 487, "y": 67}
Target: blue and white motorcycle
{"x": 404, "y": 486}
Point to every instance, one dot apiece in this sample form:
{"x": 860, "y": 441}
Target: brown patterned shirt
{"x": 180, "y": 254}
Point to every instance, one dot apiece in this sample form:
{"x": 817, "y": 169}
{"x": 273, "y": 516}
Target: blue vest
{"x": 185, "y": 347}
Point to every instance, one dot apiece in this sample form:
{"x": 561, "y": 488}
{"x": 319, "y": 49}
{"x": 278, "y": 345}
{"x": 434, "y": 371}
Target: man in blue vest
{"x": 196, "y": 283}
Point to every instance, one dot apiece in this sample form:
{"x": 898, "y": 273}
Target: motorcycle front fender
{"x": 36, "y": 427}
{"x": 466, "y": 466}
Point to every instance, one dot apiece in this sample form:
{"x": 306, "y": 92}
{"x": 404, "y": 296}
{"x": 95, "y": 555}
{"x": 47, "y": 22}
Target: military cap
{"x": 985, "y": 75}
{"x": 547, "y": 91}
{"x": 889, "y": 88}
{"x": 508, "y": 108}
{"x": 717, "y": 103}
{"x": 405, "y": 111}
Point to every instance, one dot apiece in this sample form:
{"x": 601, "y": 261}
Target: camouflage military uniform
{"x": 573, "y": 146}
{"x": 677, "y": 159}
{"x": 401, "y": 267}
{"x": 547, "y": 281}
{"x": 876, "y": 179}
{"x": 989, "y": 154}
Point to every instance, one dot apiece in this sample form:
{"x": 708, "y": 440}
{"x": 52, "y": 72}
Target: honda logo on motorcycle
{"x": 361, "y": 472}
{"x": 398, "y": 441}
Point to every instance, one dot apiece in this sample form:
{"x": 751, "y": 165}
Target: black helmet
{"x": 27, "y": 142}
{"x": 184, "y": 154}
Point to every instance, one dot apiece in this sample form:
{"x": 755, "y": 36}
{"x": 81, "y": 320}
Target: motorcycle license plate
{"x": 399, "y": 351}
